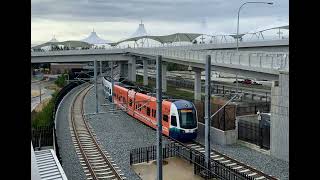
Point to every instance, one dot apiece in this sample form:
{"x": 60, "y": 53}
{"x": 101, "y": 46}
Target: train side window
{"x": 148, "y": 111}
{"x": 130, "y": 102}
{"x": 136, "y": 106}
{"x": 155, "y": 112}
{"x": 173, "y": 121}
{"x": 165, "y": 118}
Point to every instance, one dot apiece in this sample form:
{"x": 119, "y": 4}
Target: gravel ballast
{"x": 70, "y": 161}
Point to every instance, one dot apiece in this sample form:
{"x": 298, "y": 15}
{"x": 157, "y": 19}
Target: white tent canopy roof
{"x": 141, "y": 31}
{"x": 266, "y": 28}
{"x": 95, "y": 39}
{"x": 53, "y": 39}
{"x": 177, "y": 37}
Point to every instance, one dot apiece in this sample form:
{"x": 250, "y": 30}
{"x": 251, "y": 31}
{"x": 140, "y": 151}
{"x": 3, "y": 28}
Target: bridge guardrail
{"x": 273, "y": 61}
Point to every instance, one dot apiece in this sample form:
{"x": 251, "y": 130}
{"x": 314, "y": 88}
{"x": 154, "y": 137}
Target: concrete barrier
{"x": 218, "y": 136}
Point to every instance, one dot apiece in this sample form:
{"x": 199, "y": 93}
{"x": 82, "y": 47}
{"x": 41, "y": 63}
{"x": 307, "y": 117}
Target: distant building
{"x": 59, "y": 68}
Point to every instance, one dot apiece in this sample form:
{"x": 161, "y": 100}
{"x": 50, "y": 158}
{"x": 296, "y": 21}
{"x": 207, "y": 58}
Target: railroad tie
{"x": 261, "y": 177}
{"x": 238, "y": 167}
{"x": 246, "y": 170}
{"x": 252, "y": 174}
{"x": 232, "y": 164}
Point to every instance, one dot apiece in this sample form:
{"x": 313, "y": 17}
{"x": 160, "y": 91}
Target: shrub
{"x": 45, "y": 116}
{"x": 61, "y": 81}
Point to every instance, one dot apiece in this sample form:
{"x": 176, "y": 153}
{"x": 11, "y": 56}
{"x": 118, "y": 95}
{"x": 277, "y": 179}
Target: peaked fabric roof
{"x": 269, "y": 28}
{"x": 95, "y": 39}
{"x": 53, "y": 39}
{"x": 141, "y": 31}
{"x": 177, "y": 37}
{"x": 65, "y": 43}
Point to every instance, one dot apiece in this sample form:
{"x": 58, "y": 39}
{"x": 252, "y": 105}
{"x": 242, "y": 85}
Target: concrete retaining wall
{"x": 218, "y": 136}
{"x": 279, "y": 131}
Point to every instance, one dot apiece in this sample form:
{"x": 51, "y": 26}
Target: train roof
{"x": 182, "y": 104}
{"x": 147, "y": 91}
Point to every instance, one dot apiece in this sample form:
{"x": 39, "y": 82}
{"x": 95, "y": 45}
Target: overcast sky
{"x": 117, "y": 19}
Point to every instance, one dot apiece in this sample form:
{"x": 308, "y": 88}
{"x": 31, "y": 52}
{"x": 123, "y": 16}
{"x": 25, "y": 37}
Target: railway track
{"x": 97, "y": 163}
{"x": 227, "y": 161}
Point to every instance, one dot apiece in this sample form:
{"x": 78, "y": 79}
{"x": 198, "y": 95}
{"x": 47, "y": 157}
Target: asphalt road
{"x": 47, "y": 92}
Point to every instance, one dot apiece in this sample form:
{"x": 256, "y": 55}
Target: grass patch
{"x": 45, "y": 116}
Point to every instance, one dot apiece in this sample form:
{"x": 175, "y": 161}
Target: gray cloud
{"x": 160, "y": 16}
{"x": 178, "y": 10}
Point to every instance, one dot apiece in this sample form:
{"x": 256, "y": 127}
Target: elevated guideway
{"x": 79, "y": 56}
{"x": 259, "y": 64}
{"x": 254, "y": 64}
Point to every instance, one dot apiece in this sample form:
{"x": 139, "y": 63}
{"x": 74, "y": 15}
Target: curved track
{"x": 97, "y": 164}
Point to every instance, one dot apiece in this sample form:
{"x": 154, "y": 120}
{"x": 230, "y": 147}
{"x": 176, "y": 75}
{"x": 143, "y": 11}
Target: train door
{"x": 131, "y": 104}
{"x": 165, "y": 117}
{"x": 165, "y": 124}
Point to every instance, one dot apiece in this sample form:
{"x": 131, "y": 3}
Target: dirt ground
{"x": 176, "y": 169}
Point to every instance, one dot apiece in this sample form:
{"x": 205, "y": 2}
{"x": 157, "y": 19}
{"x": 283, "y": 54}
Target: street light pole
{"x": 159, "y": 115}
{"x": 40, "y": 90}
{"x": 270, "y": 3}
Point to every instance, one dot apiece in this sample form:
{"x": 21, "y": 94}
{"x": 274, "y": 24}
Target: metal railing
{"x": 42, "y": 136}
{"x": 254, "y": 131}
{"x": 266, "y": 60}
{"x": 217, "y": 169}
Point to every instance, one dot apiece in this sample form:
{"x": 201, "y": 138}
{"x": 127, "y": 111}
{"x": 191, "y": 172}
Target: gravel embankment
{"x": 118, "y": 133}
{"x": 70, "y": 161}
{"x": 263, "y": 162}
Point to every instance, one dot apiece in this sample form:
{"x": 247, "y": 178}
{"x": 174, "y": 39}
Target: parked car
{"x": 248, "y": 81}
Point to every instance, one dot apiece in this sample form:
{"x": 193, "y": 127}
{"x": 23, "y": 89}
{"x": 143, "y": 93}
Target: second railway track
{"x": 97, "y": 163}
{"x": 227, "y": 161}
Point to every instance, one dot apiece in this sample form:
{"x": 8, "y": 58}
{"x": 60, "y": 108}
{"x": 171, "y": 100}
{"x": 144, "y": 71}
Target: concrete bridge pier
{"x": 120, "y": 64}
{"x": 132, "y": 70}
{"x": 197, "y": 84}
{"x": 100, "y": 67}
{"x": 279, "y": 127}
{"x": 145, "y": 72}
{"x": 123, "y": 68}
{"x": 164, "y": 77}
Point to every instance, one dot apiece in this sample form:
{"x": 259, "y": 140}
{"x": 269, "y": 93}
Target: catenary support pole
{"x": 159, "y": 117}
{"x": 207, "y": 110}
{"x": 101, "y": 68}
{"x": 237, "y": 87}
{"x": 145, "y": 72}
{"x": 95, "y": 84}
{"x": 112, "y": 81}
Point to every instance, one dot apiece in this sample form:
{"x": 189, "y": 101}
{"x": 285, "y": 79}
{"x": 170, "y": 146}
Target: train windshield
{"x": 187, "y": 118}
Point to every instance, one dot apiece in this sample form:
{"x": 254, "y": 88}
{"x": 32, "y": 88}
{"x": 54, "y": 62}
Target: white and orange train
{"x": 179, "y": 117}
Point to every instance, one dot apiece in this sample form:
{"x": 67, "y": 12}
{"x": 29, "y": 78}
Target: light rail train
{"x": 179, "y": 117}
